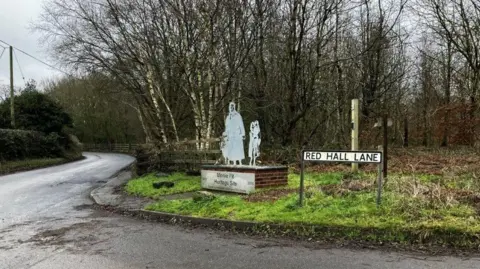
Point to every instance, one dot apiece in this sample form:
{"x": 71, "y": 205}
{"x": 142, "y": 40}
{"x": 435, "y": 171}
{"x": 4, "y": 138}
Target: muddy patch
{"x": 59, "y": 236}
{"x": 82, "y": 207}
{"x": 17, "y": 225}
{"x": 5, "y": 248}
{"x": 120, "y": 189}
{"x": 4, "y": 231}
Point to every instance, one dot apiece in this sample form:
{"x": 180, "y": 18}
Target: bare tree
{"x": 292, "y": 64}
{"x": 457, "y": 23}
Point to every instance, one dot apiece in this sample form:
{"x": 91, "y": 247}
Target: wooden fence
{"x": 193, "y": 152}
{"x": 183, "y": 155}
{"x": 120, "y": 148}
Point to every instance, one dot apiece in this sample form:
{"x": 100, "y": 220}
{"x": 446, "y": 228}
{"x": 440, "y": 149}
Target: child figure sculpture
{"x": 223, "y": 146}
{"x": 254, "y": 145}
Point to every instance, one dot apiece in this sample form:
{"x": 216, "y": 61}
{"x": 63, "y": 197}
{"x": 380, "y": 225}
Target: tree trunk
{"x": 156, "y": 107}
{"x": 424, "y": 125}
{"x": 170, "y": 114}
{"x": 405, "y": 132}
{"x": 474, "y": 108}
{"x": 446, "y": 119}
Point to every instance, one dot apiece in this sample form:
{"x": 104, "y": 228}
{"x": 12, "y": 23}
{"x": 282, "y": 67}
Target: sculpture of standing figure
{"x": 254, "y": 145}
{"x": 235, "y": 134}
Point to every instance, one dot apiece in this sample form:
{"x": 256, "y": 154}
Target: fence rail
{"x": 189, "y": 154}
{"x": 121, "y": 148}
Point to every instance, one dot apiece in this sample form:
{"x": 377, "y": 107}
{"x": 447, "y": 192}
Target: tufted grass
{"x": 414, "y": 207}
{"x": 142, "y": 186}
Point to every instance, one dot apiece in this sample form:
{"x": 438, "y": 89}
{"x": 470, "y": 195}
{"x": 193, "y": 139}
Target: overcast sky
{"x": 15, "y": 18}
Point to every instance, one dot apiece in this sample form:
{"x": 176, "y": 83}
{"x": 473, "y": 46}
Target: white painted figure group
{"x": 232, "y": 139}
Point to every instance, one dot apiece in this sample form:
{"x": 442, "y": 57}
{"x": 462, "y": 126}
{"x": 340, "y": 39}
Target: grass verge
{"x": 26, "y": 165}
{"x": 415, "y": 208}
{"x": 143, "y": 186}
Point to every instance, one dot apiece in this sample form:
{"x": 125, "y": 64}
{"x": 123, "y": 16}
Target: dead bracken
{"x": 346, "y": 187}
{"x": 269, "y": 196}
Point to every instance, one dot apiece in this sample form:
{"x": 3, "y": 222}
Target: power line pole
{"x": 12, "y": 109}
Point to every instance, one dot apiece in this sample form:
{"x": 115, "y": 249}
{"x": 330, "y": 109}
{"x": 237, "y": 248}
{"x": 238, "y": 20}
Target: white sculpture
{"x": 223, "y": 146}
{"x": 254, "y": 145}
{"x": 234, "y": 135}
{"x": 231, "y": 143}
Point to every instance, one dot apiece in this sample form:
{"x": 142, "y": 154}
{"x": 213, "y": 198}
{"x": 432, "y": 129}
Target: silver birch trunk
{"x": 170, "y": 114}
{"x": 156, "y": 106}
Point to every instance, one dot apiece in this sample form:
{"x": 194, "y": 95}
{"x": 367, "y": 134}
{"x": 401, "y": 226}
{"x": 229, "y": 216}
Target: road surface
{"x": 46, "y": 221}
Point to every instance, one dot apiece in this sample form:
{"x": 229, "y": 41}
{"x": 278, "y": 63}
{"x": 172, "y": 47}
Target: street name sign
{"x": 343, "y": 156}
{"x": 375, "y": 157}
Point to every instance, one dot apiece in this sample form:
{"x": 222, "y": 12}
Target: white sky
{"x": 16, "y": 17}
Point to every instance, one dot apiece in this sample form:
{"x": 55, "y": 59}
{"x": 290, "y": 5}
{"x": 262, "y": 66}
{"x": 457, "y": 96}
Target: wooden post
{"x": 405, "y": 132}
{"x": 12, "y": 94}
{"x": 302, "y": 178}
{"x": 355, "y": 130}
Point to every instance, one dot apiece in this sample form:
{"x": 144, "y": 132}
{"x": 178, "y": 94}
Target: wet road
{"x": 46, "y": 221}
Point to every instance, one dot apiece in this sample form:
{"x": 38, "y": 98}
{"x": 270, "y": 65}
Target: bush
{"x": 41, "y": 128}
{"x": 35, "y": 111}
{"x": 20, "y": 145}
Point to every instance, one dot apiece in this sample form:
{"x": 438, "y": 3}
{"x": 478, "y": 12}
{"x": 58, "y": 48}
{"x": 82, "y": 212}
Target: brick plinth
{"x": 265, "y": 176}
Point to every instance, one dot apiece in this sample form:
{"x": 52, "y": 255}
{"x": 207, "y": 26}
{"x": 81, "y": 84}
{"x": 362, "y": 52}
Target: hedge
{"x": 22, "y": 144}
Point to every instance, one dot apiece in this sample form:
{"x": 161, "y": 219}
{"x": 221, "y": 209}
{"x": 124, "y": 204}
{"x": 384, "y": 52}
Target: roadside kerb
{"x": 437, "y": 242}
{"x": 105, "y": 198}
{"x": 105, "y": 194}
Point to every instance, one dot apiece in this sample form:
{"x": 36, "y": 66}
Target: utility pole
{"x": 12, "y": 109}
{"x": 355, "y": 130}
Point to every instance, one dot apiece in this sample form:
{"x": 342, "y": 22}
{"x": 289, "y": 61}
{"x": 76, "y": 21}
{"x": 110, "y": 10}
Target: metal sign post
{"x": 341, "y": 156}
{"x": 301, "y": 180}
{"x": 381, "y": 175}
{"x": 380, "y": 179}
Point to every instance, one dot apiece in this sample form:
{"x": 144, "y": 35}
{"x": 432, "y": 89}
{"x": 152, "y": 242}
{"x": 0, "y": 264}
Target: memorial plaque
{"x": 228, "y": 181}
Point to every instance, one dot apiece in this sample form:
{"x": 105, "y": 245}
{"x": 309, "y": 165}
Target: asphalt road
{"x": 46, "y": 221}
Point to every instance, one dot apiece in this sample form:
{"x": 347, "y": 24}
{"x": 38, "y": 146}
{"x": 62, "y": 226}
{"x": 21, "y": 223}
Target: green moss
{"x": 143, "y": 186}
